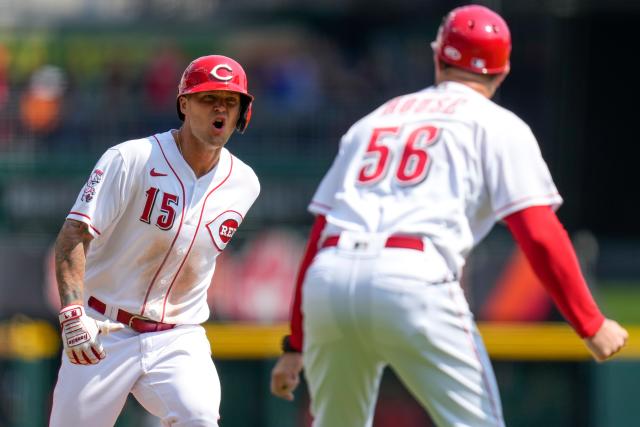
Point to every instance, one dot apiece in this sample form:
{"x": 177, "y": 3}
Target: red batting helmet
{"x": 474, "y": 38}
{"x": 217, "y": 72}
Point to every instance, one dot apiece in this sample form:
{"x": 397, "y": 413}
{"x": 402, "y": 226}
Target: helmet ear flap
{"x": 245, "y": 114}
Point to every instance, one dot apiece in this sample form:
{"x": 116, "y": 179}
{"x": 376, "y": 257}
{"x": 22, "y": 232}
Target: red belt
{"x": 397, "y": 241}
{"x": 137, "y": 323}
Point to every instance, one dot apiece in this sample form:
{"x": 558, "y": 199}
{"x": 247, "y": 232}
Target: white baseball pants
{"x": 170, "y": 373}
{"x": 364, "y": 311}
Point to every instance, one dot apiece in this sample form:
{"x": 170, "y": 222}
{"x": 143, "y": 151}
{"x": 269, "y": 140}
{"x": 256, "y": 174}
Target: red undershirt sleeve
{"x": 296, "y": 338}
{"x": 547, "y": 246}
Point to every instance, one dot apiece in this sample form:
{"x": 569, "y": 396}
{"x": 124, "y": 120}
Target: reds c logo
{"x": 223, "y": 227}
{"x": 215, "y": 72}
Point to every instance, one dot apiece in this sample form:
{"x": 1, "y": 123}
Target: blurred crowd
{"x": 84, "y": 93}
{"x": 67, "y": 96}
{"x": 71, "y": 95}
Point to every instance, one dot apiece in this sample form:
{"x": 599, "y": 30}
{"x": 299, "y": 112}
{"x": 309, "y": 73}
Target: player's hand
{"x": 80, "y": 335}
{"x": 609, "y": 340}
{"x": 285, "y": 376}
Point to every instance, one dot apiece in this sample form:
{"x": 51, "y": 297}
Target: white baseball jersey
{"x": 158, "y": 229}
{"x": 445, "y": 163}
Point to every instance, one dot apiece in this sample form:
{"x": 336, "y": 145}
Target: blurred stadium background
{"x": 77, "y": 76}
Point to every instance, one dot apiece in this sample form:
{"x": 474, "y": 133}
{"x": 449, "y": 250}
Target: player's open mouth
{"x": 218, "y": 124}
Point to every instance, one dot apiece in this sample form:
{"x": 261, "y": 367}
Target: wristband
{"x": 286, "y": 345}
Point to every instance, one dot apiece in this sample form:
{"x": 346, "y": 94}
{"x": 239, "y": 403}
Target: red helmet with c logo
{"x": 217, "y": 72}
{"x": 475, "y": 39}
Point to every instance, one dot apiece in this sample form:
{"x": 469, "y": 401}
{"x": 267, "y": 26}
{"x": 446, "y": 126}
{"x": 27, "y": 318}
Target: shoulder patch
{"x": 90, "y": 187}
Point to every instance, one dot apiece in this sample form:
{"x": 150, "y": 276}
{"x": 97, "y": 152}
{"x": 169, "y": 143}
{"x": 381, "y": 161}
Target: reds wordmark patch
{"x": 223, "y": 228}
{"x": 90, "y": 186}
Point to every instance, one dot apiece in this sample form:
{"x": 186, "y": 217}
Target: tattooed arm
{"x": 71, "y": 248}
{"x": 80, "y": 332}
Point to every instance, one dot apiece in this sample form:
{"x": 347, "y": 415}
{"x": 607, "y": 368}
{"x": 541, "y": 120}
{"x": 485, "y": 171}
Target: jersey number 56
{"x": 414, "y": 163}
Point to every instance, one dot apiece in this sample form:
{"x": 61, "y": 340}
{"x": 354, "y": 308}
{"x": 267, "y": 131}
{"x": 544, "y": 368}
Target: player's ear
{"x": 437, "y": 68}
{"x": 182, "y": 100}
{"x": 503, "y": 75}
{"x": 497, "y": 81}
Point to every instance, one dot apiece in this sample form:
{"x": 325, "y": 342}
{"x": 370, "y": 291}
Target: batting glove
{"x": 80, "y": 335}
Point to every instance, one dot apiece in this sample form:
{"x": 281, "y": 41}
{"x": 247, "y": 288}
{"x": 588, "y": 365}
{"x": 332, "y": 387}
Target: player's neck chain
{"x": 179, "y": 143}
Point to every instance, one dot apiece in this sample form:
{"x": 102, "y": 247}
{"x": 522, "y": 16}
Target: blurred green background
{"x": 78, "y": 76}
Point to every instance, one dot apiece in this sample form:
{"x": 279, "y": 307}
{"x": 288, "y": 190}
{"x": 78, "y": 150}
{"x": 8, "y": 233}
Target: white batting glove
{"x": 80, "y": 335}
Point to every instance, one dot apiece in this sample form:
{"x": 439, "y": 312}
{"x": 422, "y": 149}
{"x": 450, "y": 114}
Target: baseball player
{"x": 137, "y": 253}
{"x": 415, "y": 186}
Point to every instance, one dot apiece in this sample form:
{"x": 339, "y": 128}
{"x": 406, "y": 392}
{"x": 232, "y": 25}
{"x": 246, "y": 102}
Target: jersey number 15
{"x": 414, "y": 162}
{"x": 165, "y": 220}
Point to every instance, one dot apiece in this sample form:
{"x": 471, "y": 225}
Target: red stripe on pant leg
{"x": 487, "y": 384}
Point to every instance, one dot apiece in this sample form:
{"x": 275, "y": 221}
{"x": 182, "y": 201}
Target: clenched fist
{"x": 285, "y": 375}
{"x": 609, "y": 340}
{"x": 80, "y": 335}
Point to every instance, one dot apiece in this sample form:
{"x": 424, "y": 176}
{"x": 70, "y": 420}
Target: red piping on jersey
{"x": 81, "y": 214}
{"x": 504, "y": 208}
{"x": 89, "y": 218}
{"x": 321, "y": 205}
{"x": 155, "y": 276}
{"x": 209, "y": 230}
{"x": 195, "y": 234}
